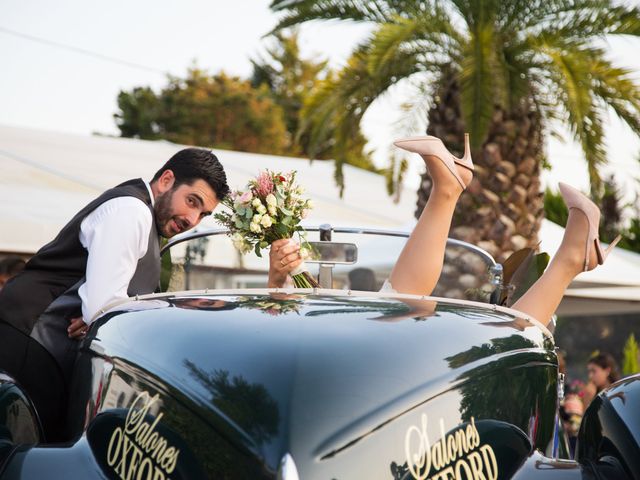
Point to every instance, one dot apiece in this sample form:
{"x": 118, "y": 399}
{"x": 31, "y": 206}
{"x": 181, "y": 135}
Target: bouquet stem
{"x": 305, "y": 280}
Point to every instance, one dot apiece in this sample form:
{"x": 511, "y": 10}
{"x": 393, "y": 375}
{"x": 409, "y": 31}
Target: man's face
{"x": 181, "y": 208}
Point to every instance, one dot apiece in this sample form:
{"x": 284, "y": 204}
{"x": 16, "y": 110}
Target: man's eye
{"x": 190, "y": 201}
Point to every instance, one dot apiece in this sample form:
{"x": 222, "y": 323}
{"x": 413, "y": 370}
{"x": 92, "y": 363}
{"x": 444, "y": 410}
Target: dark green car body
{"x": 309, "y": 385}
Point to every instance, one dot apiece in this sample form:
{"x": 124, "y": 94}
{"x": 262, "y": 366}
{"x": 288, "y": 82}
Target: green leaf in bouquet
{"x": 239, "y": 223}
{"x": 248, "y": 213}
{"x": 287, "y": 220}
{"x": 282, "y": 230}
{"x": 264, "y": 244}
{"x": 286, "y": 211}
{"x": 240, "y": 210}
{"x": 256, "y": 249}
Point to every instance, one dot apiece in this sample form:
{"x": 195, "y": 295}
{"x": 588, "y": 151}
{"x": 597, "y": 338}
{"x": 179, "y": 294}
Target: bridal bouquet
{"x": 270, "y": 208}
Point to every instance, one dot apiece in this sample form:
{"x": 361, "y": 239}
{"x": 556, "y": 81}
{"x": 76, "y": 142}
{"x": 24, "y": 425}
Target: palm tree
{"x": 501, "y": 70}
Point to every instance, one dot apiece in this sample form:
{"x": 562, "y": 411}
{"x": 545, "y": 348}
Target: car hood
{"x": 320, "y": 369}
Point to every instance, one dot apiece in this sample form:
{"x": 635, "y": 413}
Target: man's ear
{"x": 165, "y": 182}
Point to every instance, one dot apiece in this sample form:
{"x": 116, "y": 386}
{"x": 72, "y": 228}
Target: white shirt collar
{"x": 153, "y": 200}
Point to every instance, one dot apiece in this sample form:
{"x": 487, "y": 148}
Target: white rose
{"x": 261, "y": 209}
{"x": 310, "y": 204}
{"x": 272, "y": 210}
{"x": 266, "y": 221}
{"x": 256, "y": 202}
{"x": 256, "y": 218}
{"x": 239, "y": 242}
{"x": 271, "y": 199}
{"x": 255, "y": 228}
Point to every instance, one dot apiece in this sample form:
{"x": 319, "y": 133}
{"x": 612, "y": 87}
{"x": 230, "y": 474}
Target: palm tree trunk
{"x": 503, "y": 208}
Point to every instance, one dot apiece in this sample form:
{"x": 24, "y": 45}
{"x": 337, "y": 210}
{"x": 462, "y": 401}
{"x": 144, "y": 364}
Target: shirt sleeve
{"x": 116, "y": 236}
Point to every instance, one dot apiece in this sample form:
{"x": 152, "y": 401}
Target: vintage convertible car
{"x": 328, "y": 383}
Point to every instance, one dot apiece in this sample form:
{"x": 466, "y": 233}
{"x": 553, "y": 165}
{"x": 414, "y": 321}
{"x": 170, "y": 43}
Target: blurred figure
{"x": 571, "y": 407}
{"x": 603, "y": 371}
{"x": 9, "y": 267}
{"x": 363, "y": 279}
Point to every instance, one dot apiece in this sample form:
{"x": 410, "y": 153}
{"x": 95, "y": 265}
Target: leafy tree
{"x": 500, "y": 70}
{"x": 630, "y": 356}
{"x": 554, "y": 208}
{"x": 208, "y": 110}
{"x": 289, "y": 78}
{"x": 612, "y": 222}
{"x": 292, "y": 81}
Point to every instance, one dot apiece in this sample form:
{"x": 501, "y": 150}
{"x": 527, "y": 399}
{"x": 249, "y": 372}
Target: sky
{"x": 53, "y": 88}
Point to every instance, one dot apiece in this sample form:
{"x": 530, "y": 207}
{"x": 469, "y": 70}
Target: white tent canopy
{"x": 48, "y": 176}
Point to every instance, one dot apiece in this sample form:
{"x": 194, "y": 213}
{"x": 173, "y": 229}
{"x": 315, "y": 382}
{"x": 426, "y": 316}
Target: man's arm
{"x": 116, "y": 236}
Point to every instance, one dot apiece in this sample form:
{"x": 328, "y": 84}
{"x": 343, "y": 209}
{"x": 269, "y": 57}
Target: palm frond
{"x": 480, "y": 69}
{"x": 335, "y": 110}
{"x": 301, "y": 11}
{"x": 592, "y": 21}
{"x": 570, "y": 70}
{"x": 614, "y": 86}
{"x": 402, "y": 37}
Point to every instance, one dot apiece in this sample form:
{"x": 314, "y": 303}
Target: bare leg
{"x": 544, "y": 296}
{"x": 420, "y": 263}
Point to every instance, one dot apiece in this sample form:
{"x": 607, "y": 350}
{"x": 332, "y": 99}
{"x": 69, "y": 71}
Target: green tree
{"x": 554, "y": 208}
{"x": 501, "y": 70}
{"x": 208, "y": 110}
{"x": 292, "y": 81}
{"x": 630, "y": 356}
{"x": 289, "y": 78}
{"x": 611, "y": 207}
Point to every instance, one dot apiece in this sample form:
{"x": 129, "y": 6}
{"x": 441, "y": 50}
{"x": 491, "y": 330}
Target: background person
{"x": 603, "y": 371}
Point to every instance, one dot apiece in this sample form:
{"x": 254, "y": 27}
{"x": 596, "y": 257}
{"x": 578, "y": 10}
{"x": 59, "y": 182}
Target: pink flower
{"x": 264, "y": 184}
{"x": 245, "y": 197}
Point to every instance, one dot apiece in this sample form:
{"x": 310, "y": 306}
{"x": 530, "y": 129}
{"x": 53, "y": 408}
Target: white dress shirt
{"x": 116, "y": 235}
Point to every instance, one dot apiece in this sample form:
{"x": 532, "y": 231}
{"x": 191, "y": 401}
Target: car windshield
{"x": 208, "y": 260}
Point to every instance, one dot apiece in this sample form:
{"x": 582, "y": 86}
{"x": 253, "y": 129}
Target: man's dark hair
{"x": 191, "y": 164}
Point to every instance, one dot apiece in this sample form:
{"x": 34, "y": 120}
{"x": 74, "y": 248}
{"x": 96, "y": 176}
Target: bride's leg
{"x": 420, "y": 263}
{"x": 544, "y": 296}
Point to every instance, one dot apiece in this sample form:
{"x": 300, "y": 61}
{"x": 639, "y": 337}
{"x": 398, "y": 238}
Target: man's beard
{"x": 164, "y": 215}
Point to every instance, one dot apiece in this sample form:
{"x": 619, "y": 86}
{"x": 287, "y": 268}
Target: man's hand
{"x": 77, "y": 328}
{"x": 283, "y": 258}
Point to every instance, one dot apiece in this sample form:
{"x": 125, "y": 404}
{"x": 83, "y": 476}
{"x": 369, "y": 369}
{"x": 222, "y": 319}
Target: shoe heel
{"x": 465, "y": 161}
{"x": 608, "y": 250}
{"x": 466, "y": 158}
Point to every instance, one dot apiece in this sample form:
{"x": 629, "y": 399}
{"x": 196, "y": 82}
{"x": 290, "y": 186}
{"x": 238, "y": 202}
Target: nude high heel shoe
{"x": 575, "y": 199}
{"x": 428, "y": 145}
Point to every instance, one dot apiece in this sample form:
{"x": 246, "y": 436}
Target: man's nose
{"x": 193, "y": 218}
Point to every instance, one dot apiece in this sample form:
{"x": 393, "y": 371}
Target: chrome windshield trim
{"x": 183, "y": 237}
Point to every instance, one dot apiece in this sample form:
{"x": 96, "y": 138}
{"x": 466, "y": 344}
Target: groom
{"x": 108, "y": 251}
